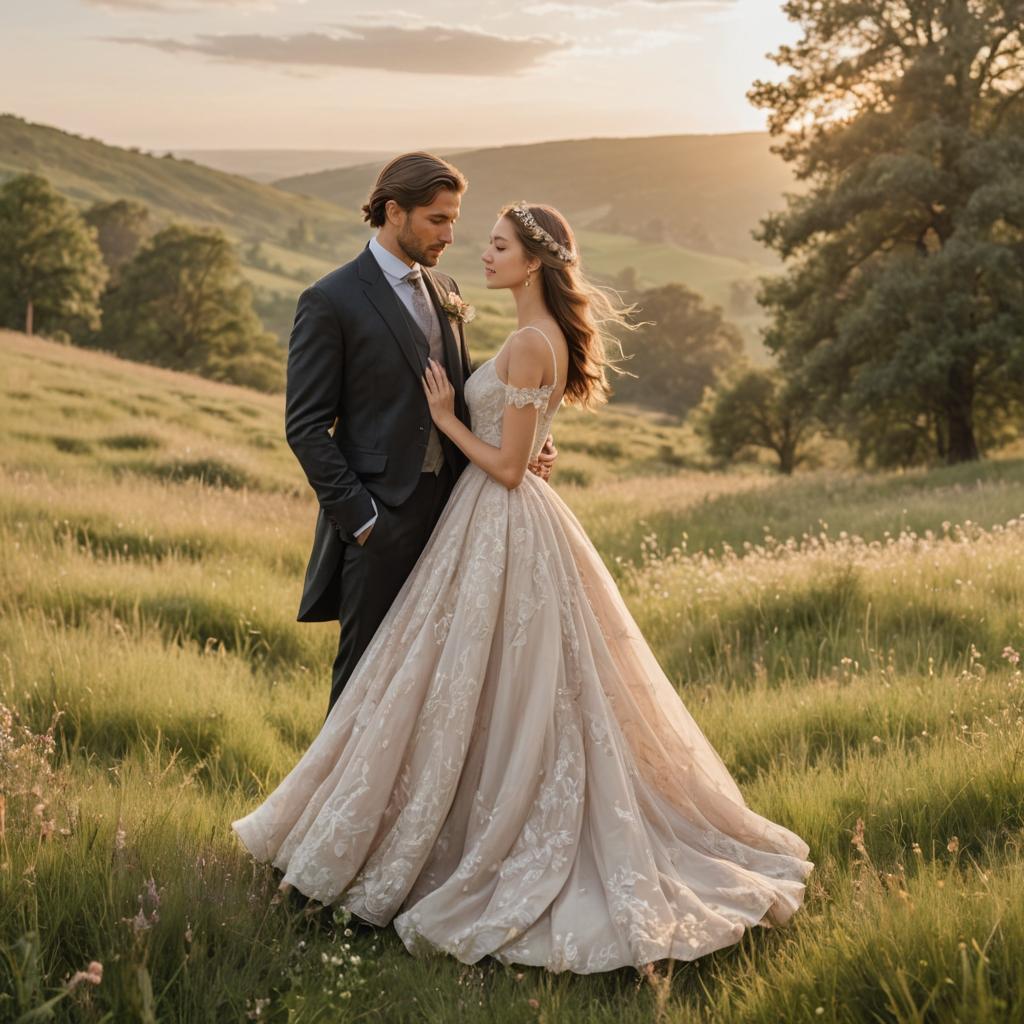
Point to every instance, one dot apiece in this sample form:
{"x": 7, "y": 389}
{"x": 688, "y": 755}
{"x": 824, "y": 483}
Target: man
{"x": 356, "y": 416}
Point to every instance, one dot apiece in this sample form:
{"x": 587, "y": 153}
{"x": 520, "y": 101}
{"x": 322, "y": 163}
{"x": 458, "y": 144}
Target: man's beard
{"x": 411, "y": 246}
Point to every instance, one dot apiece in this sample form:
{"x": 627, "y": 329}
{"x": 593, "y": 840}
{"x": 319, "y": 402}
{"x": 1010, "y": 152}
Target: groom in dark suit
{"x": 356, "y": 416}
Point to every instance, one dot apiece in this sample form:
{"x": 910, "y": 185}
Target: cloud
{"x": 630, "y": 42}
{"x": 555, "y": 8}
{"x": 181, "y": 6}
{"x": 427, "y": 50}
{"x": 605, "y": 6}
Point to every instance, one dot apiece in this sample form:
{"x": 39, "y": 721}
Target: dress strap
{"x": 554, "y": 358}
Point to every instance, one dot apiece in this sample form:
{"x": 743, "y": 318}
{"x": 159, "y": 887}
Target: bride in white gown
{"x": 508, "y": 771}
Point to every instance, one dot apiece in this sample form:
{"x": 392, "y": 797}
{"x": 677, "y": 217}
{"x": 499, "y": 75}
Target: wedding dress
{"x": 508, "y": 771}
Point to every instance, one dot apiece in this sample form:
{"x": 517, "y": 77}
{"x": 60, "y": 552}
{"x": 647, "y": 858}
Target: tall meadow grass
{"x": 850, "y": 643}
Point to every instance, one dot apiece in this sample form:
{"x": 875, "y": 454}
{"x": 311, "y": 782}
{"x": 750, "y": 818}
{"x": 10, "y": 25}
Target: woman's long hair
{"x": 582, "y": 310}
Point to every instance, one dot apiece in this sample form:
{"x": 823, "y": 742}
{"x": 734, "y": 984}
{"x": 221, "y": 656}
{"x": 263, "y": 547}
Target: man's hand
{"x": 545, "y": 461}
{"x": 362, "y": 538}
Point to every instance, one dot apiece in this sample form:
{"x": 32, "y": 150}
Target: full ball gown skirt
{"x": 509, "y": 772}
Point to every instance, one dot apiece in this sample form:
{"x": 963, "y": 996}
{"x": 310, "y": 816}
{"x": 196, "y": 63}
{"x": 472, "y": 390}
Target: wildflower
{"x": 857, "y": 840}
{"x": 953, "y": 845}
{"x": 146, "y": 918}
{"x": 92, "y": 975}
{"x": 533, "y": 1003}
{"x": 258, "y": 1006}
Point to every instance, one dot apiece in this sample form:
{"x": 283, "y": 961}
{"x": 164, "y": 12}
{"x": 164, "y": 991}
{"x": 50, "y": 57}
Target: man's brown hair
{"x": 412, "y": 179}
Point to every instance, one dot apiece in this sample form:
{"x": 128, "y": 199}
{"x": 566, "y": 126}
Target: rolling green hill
{"x": 674, "y": 208}
{"x": 707, "y": 190}
{"x": 701, "y": 192}
{"x": 88, "y": 171}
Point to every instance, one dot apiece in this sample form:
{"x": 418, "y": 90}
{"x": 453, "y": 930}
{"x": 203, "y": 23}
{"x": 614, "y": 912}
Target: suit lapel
{"x": 379, "y": 291}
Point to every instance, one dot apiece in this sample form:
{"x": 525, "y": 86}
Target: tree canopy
{"x": 755, "y": 409}
{"x": 182, "y": 303}
{"x": 121, "y": 228}
{"x": 51, "y": 270}
{"x": 679, "y": 351}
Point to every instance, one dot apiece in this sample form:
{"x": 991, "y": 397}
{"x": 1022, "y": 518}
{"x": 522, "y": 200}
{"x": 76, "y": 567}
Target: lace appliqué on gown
{"x": 522, "y": 397}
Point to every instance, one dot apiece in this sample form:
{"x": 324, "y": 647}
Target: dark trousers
{"x": 373, "y": 573}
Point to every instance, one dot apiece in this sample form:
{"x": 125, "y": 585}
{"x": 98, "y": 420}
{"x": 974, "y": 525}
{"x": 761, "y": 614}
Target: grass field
{"x": 848, "y": 642}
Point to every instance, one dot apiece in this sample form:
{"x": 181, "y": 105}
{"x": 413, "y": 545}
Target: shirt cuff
{"x": 369, "y": 522}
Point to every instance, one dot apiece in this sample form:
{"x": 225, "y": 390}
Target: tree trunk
{"x": 962, "y": 446}
{"x": 28, "y": 317}
{"x": 787, "y": 457}
{"x": 939, "y": 425}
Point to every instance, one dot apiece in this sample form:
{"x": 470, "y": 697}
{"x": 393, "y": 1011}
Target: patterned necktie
{"x": 420, "y": 305}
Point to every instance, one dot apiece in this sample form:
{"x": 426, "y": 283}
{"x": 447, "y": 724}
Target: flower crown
{"x": 538, "y": 234}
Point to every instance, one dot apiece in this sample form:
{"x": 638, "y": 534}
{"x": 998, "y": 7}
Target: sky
{"x": 345, "y": 74}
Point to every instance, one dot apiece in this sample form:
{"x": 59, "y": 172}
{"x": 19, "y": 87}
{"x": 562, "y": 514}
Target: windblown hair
{"x": 582, "y": 310}
{"x": 412, "y": 179}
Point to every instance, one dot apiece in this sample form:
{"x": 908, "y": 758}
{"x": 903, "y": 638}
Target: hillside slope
{"x": 267, "y": 165}
{"x": 703, "y": 192}
{"x": 186, "y": 427}
{"x": 88, "y": 171}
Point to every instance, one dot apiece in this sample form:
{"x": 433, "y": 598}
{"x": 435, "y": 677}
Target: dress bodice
{"x": 487, "y": 395}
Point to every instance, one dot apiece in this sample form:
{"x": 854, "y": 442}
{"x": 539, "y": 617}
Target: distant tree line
{"x": 109, "y": 279}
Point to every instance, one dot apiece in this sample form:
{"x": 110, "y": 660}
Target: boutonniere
{"x": 458, "y": 311}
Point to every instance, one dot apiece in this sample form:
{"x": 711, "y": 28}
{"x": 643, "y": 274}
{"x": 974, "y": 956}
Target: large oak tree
{"x": 904, "y": 297}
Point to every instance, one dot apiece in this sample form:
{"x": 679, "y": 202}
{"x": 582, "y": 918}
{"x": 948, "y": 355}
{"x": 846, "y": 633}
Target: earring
{"x": 528, "y": 273}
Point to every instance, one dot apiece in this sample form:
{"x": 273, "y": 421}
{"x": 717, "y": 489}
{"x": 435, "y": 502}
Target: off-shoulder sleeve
{"x": 522, "y": 397}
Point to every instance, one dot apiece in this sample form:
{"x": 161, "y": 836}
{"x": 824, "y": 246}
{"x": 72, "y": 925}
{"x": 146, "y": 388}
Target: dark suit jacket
{"x": 355, "y": 363}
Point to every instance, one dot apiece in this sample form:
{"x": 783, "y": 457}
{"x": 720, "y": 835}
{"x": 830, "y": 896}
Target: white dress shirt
{"x": 395, "y": 270}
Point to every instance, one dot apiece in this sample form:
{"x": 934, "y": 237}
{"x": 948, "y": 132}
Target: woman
{"x": 509, "y": 772}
